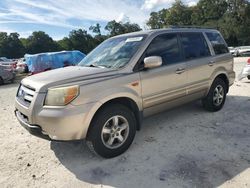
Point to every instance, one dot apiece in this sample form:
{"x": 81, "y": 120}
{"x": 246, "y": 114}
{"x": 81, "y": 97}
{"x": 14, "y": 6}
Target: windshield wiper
{"x": 99, "y": 66}
{"x": 93, "y": 65}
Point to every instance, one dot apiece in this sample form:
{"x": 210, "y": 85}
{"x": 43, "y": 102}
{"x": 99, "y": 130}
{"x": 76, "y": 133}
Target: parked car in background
{"x": 231, "y": 50}
{"x": 21, "y": 66}
{"x": 242, "y": 51}
{"x": 52, "y": 60}
{"x": 8, "y": 63}
{"x": 245, "y": 71}
{"x": 6, "y": 75}
{"x": 123, "y": 80}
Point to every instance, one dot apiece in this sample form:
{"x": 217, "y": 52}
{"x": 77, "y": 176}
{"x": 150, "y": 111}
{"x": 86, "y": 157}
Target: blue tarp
{"x": 52, "y": 60}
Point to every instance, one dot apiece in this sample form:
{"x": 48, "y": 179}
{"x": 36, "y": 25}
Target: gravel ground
{"x": 184, "y": 147}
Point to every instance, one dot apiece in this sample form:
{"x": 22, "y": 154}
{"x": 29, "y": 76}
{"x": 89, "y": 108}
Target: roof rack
{"x": 190, "y": 27}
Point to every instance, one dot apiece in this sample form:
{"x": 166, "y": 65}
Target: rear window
{"x": 194, "y": 45}
{"x": 217, "y": 42}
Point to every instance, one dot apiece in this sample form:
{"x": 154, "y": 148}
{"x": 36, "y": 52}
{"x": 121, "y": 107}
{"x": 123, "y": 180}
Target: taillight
{"x": 248, "y": 61}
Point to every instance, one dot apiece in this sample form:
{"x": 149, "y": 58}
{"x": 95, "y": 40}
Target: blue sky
{"x": 59, "y": 17}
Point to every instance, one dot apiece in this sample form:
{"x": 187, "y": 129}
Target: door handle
{"x": 180, "y": 70}
{"x": 211, "y": 63}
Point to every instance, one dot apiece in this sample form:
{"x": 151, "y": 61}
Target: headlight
{"x": 61, "y": 96}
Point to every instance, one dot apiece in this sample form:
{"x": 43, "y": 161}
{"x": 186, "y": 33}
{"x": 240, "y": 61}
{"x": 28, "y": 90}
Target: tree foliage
{"x": 10, "y": 45}
{"x": 39, "y": 42}
{"x": 231, "y": 17}
{"x": 13, "y": 47}
{"x": 117, "y": 28}
{"x": 178, "y": 14}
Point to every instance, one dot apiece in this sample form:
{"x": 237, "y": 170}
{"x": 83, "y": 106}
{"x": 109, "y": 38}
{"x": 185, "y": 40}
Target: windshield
{"x": 113, "y": 53}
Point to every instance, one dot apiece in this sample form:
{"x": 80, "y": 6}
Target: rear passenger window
{"x": 167, "y": 47}
{"x": 194, "y": 45}
{"x": 217, "y": 42}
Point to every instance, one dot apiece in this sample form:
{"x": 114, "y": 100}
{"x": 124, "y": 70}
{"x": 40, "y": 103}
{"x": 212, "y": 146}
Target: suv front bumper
{"x": 33, "y": 129}
{"x": 55, "y": 123}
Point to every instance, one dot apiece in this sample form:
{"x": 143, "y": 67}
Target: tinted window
{"x": 194, "y": 45}
{"x": 165, "y": 46}
{"x": 217, "y": 43}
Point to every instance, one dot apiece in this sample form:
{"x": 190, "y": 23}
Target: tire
{"x": 106, "y": 129}
{"x": 216, "y": 96}
{"x": 248, "y": 77}
{"x": 1, "y": 81}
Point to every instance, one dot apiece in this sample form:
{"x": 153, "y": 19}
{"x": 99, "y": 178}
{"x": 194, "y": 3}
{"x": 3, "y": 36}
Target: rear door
{"x": 198, "y": 58}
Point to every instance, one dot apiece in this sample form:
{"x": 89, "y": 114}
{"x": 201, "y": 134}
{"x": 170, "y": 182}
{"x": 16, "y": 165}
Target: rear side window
{"x": 167, "y": 47}
{"x": 194, "y": 45}
{"x": 217, "y": 42}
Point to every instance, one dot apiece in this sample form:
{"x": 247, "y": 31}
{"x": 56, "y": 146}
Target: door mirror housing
{"x": 152, "y": 62}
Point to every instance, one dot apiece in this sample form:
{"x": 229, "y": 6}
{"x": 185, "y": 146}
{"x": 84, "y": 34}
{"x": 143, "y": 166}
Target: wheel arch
{"x": 124, "y": 100}
{"x": 222, "y": 74}
{"x": 225, "y": 79}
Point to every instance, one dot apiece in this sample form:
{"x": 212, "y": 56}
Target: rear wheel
{"x": 216, "y": 96}
{"x": 112, "y": 131}
{"x": 248, "y": 77}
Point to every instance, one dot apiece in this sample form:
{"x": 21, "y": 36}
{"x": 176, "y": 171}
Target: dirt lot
{"x": 184, "y": 147}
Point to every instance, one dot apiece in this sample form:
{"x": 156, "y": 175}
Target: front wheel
{"x": 216, "y": 96}
{"x": 248, "y": 77}
{"x": 112, "y": 131}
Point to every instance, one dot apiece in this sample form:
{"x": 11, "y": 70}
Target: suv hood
{"x": 68, "y": 75}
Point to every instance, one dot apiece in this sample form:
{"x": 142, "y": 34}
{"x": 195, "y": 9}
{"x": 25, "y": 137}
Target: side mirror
{"x": 152, "y": 62}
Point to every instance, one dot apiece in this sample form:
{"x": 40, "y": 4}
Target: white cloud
{"x": 59, "y": 13}
{"x": 150, "y": 4}
{"x": 24, "y": 13}
{"x": 191, "y": 3}
{"x": 23, "y": 34}
{"x": 122, "y": 18}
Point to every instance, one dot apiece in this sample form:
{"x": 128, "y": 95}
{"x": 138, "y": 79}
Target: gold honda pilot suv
{"x": 123, "y": 80}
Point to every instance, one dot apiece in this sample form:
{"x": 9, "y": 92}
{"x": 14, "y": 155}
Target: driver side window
{"x": 166, "y": 46}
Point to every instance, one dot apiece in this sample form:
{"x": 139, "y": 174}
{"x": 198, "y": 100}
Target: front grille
{"x": 25, "y": 95}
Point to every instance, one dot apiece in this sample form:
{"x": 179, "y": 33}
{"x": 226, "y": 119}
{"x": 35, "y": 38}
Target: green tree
{"x": 65, "y": 44}
{"x": 10, "y": 45}
{"x": 158, "y": 19}
{"x": 81, "y": 40}
{"x": 178, "y": 14}
{"x": 117, "y": 28}
{"x": 209, "y": 11}
{"x": 96, "y": 29}
{"x": 40, "y": 42}
{"x": 230, "y": 17}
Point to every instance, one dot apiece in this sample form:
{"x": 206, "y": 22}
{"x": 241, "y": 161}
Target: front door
{"x": 167, "y": 82}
